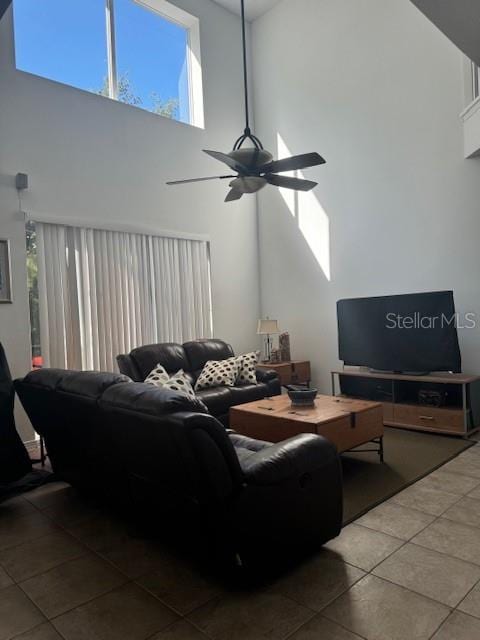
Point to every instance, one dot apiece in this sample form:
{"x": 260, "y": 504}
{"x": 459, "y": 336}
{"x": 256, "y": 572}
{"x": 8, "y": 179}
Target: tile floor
{"x": 407, "y": 570}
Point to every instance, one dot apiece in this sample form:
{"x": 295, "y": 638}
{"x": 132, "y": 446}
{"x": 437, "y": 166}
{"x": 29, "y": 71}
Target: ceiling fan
{"x": 255, "y": 167}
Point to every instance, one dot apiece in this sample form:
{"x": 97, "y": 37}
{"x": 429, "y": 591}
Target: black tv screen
{"x": 406, "y": 333}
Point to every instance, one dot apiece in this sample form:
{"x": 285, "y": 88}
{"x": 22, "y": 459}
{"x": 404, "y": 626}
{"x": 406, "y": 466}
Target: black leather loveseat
{"x": 153, "y": 450}
{"x": 191, "y": 357}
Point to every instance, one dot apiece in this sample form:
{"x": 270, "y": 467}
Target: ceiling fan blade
{"x": 290, "y": 183}
{"x": 291, "y": 164}
{"x": 200, "y": 179}
{"x": 233, "y": 194}
{"x": 230, "y": 162}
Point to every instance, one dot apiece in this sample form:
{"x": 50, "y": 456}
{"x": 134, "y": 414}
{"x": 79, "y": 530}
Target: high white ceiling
{"x": 253, "y": 8}
{"x": 459, "y": 20}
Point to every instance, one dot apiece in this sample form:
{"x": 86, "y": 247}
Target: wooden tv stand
{"x": 399, "y": 394}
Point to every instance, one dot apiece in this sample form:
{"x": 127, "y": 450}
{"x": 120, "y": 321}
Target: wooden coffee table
{"x": 345, "y": 422}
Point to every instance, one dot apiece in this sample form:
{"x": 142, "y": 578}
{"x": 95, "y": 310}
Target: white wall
{"x": 376, "y": 89}
{"x": 90, "y": 157}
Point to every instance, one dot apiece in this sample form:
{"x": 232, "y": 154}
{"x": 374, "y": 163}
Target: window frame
{"x": 475, "y": 80}
{"x": 174, "y": 14}
{"x": 191, "y": 24}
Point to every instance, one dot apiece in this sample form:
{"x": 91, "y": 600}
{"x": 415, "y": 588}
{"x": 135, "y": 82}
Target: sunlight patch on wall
{"x": 287, "y": 194}
{"x": 314, "y": 224}
{"x": 311, "y": 218}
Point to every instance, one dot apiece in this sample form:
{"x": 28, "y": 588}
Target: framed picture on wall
{"x": 5, "y": 272}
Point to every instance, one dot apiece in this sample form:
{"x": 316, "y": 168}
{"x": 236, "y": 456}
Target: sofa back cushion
{"x": 170, "y": 355}
{"x": 87, "y": 384}
{"x": 199, "y": 352}
{"x": 151, "y": 400}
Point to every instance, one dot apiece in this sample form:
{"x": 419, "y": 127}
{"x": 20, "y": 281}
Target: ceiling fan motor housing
{"x": 251, "y": 157}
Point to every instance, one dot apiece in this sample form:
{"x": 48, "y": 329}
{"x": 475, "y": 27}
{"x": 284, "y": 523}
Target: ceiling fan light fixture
{"x": 248, "y": 184}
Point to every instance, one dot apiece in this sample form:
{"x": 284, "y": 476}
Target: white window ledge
{"x": 471, "y": 129}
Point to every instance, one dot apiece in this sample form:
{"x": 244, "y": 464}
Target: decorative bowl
{"x": 301, "y": 396}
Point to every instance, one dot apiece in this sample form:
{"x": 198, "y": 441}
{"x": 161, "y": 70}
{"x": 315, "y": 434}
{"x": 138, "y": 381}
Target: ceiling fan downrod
{"x": 247, "y": 133}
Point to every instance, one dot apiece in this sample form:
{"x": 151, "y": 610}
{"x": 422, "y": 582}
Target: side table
{"x": 291, "y": 372}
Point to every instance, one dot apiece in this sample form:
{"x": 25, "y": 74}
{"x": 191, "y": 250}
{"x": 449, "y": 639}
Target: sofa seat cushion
{"x": 217, "y": 399}
{"x": 246, "y": 447}
{"x": 248, "y": 393}
{"x": 244, "y": 442}
{"x": 243, "y": 455}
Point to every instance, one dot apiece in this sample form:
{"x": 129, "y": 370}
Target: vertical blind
{"x": 102, "y": 293}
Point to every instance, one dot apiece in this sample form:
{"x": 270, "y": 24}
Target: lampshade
{"x": 267, "y": 327}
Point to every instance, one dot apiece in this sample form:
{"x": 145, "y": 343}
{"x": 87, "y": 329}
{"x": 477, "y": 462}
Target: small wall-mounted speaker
{"x": 21, "y": 181}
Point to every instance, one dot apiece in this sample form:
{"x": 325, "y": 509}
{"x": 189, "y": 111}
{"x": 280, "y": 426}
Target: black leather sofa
{"x": 153, "y": 451}
{"x": 14, "y": 459}
{"x": 191, "y": 357}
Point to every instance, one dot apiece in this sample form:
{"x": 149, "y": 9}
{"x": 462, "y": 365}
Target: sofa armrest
{"x": 289, "y": 459}
{"x": 266, "y": 375}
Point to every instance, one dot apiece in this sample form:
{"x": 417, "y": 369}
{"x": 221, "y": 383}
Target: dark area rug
{"x": 409, "y": 456}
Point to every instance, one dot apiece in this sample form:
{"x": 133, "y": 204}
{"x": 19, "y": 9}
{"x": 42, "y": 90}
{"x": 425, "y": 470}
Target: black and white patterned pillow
{"x": 177, "y": 382}
{"x": 157, "y": 376}
{"x": 218, "y": 373}
{"x": 248, "y": 368}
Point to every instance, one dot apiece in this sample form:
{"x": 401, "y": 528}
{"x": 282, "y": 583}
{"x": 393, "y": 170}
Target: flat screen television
{"x": 414, "y": 333}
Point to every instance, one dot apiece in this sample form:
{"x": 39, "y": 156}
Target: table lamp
{"x": 267, "y": 328}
